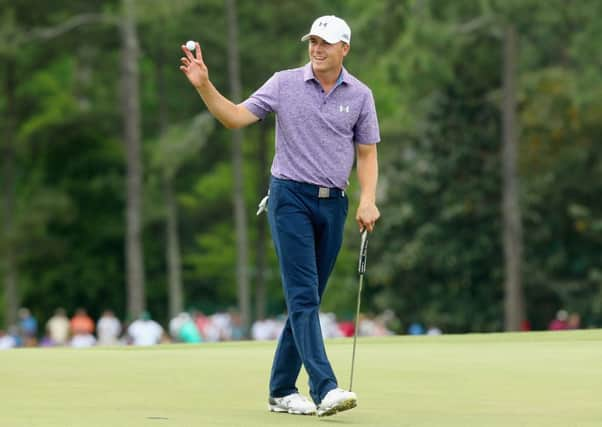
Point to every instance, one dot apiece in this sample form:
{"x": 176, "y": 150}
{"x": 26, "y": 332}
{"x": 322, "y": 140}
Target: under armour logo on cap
{"x": 331, "y": 29}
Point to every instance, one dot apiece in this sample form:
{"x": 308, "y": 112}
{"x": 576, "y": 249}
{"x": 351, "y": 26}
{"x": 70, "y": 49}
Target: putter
{"x": 361, "y": 268}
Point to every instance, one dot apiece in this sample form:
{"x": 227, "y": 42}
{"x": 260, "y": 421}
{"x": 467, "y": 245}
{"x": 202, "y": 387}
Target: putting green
{"x": 527, "y": 379}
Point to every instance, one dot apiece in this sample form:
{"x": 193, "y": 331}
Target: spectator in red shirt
{"x": 81, "y": 323}
{"x": 560, "y": 322}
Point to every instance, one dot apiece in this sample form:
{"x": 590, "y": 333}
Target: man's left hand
{"x": 366, "y": 216}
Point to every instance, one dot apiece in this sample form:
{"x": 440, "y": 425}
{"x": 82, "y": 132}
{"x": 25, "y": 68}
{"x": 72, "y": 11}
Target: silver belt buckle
{"x": 323, "y": 193}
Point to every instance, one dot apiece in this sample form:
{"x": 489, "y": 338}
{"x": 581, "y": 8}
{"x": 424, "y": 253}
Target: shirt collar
{"x": 308, "y": 74}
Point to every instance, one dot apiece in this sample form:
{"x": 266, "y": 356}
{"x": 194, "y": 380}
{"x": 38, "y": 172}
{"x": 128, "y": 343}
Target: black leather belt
{"x": 312, "y": 189}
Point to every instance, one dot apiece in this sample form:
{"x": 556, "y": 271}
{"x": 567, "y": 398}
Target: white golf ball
{"x": 190, "y": 45}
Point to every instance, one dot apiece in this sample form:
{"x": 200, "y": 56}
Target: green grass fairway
{"x": 528, "y": 379}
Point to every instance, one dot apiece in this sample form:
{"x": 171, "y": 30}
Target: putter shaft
{"x": 361, "y": 268}
{"x": 357, "y": 317}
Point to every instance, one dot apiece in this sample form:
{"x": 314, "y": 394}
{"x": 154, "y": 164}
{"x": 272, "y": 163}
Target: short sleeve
{"x": 366, "y": 129}
{"x": 265, "y": 99}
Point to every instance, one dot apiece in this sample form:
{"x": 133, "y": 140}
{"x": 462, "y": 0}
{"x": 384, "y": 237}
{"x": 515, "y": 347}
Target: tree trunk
{"x": 514, "y": 310}
{"x": 172, "y": 250}
{"x": 174, "y": 263}
{"x": 242, "y": 278}
{"x": 131, "y": 118}
{"x": 261, "y": 262}
{"x": 9, "y": 264}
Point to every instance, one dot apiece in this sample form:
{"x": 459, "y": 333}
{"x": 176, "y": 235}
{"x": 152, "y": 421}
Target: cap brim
{"x": 322, "y": 36}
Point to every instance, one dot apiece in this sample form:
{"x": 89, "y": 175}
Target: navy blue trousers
{"x": 307, "y": 232}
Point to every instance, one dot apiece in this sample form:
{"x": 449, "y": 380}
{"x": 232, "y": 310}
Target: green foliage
{"x": 52, "y": 86}
{"x": 181, "y": 143}
{"x": 439, "y": 257}
{"x": 445, "y": 183}
{"x": 82, "y": 262}
{"x": 561, "y": 164}
{"x": 434, "y": 68}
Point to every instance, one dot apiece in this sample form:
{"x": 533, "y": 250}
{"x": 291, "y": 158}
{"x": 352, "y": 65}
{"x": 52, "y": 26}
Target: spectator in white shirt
{"x": 108, "y": 328}
{"x": 58, "y": 327}
{"x": 145, "y": 331}
{"x": 6, "y": 341}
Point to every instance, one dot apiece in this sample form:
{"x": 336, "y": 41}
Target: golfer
{"x": 324, "y": 116}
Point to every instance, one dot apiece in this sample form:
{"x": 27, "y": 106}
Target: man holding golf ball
{"x": 324, "y": 116}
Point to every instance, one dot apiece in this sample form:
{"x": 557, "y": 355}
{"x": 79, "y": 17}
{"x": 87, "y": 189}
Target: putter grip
{"x": 361, "y": 268}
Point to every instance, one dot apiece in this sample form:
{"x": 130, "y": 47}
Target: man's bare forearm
{"x": 367, "y": 173}
{"x": 229, "y": 114}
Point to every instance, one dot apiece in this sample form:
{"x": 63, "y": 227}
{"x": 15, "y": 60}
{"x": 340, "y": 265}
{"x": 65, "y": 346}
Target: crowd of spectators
{"x": 82, "y": 331}
{"x": 565, "y": 321}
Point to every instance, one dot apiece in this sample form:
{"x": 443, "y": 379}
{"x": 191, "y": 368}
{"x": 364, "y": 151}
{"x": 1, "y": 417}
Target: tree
{"x": 242, "y": 276}
{"x": 176, "y": 146}
{"x": 130, "y": 104}
{"x": 9, "y": 265}
{"x": 514, "y": 310}
{"x": 435, "y": 70}
{"x": 14, "y": 36}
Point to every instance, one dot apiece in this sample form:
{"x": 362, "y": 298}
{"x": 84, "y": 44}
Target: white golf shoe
{"x": 294, "y": 403}
{"x": 337, "y": 400}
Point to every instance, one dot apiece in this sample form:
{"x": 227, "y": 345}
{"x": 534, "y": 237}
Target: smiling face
{"x": 326, "y": 57}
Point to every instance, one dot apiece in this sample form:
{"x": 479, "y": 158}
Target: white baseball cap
{"x": 330, "y": 28}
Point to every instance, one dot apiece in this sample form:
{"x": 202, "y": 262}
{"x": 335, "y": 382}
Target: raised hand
{"x": 193, "y": 67}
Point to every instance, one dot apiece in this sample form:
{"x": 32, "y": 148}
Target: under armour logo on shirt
{"x": 344, "y": 108}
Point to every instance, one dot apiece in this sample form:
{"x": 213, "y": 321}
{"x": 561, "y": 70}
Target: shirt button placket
{"x": 322, "y": 99}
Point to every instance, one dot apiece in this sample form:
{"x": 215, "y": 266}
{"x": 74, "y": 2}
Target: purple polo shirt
{"x": 316, "y": 132}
